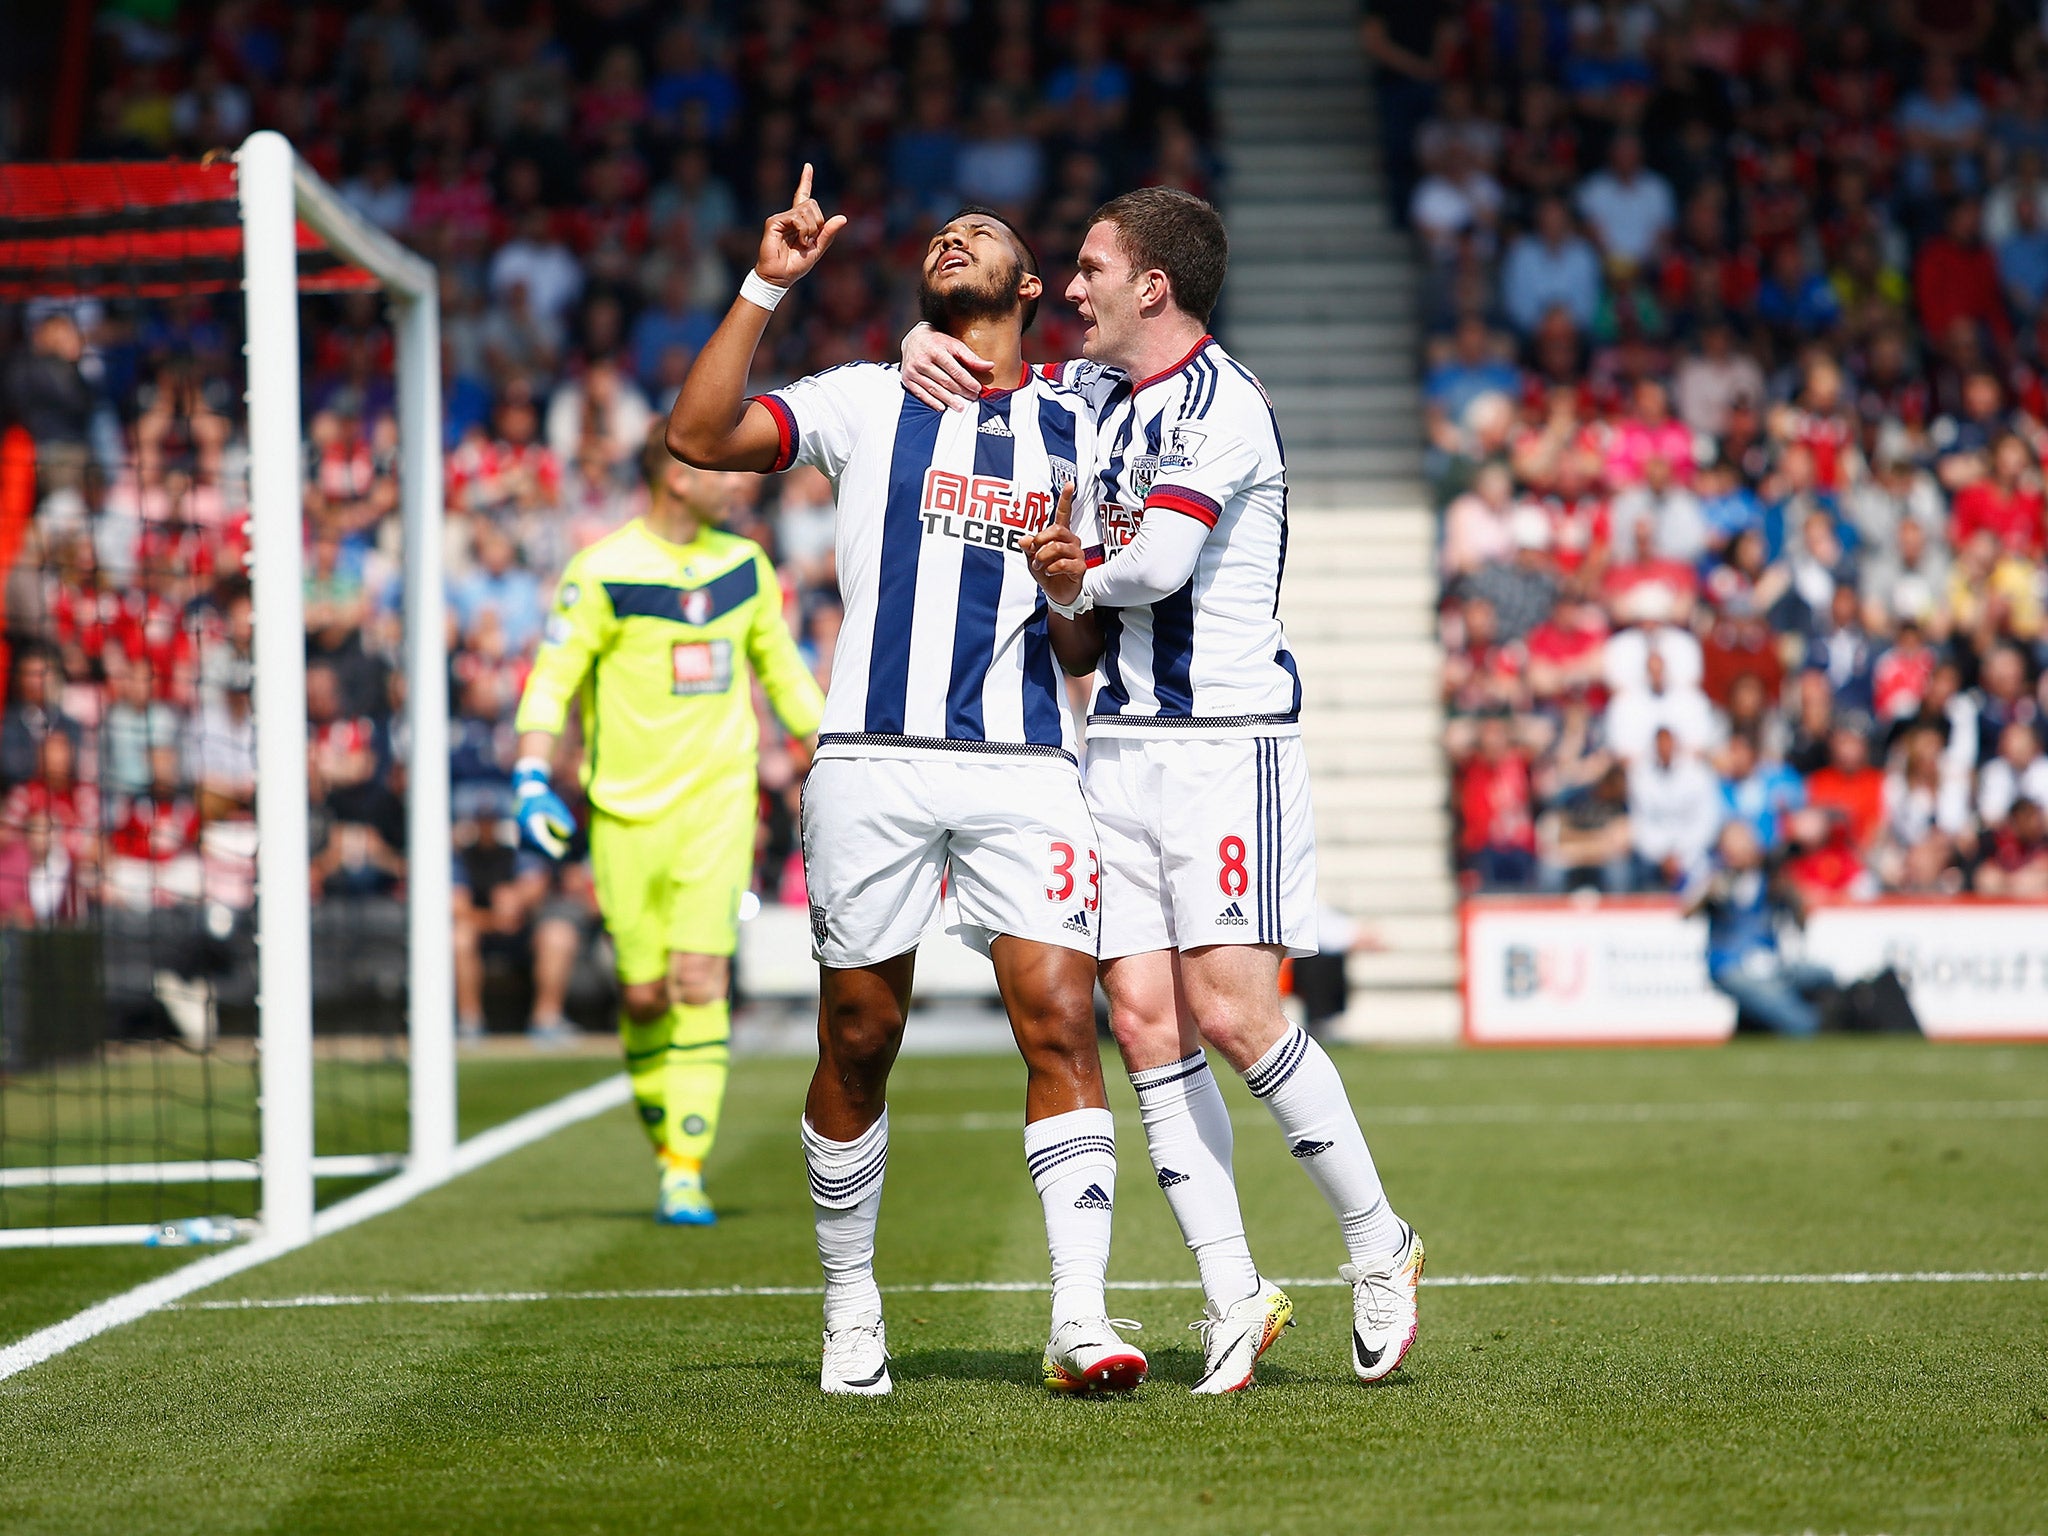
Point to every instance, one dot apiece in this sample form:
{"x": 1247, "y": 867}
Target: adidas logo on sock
{"x": 995, "y": 426}
{"x": 1093, "y": 1199}
{"x": 1078, "y": 922}
{"x": 1168, "y": 1178}
{"x": 1307, "y": 1149}
{"x": 1233, "y": 916}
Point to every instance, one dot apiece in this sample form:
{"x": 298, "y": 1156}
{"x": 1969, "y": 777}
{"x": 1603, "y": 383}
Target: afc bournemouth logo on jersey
{"x": 697, "y": 606}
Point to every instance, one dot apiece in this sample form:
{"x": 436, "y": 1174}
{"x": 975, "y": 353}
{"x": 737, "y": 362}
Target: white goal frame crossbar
{"x": 277, "y": 192}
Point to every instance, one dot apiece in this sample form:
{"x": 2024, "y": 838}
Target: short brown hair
{"x": 1176, "y": 233}
{"x": 655, "y": 459}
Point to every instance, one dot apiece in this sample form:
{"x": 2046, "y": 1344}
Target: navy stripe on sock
{"x": 1262, "y": 1081}
{"x": 1180, "y": 1072}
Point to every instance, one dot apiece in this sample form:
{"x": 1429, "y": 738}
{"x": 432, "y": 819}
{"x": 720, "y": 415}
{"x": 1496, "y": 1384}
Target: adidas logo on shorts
{"x": 1078, "y": 922}
{"x": 1093, "y": 1199}
{"x": 1233, "y": 917}
{"x": 1168, "y": 1178}
{"x": 1308, "y": 1149}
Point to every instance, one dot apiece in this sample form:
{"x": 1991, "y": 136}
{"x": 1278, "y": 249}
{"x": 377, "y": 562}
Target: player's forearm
{"x": 709, "y": 426}
{"x": 1157, "y": 563}
{"x": 538, "y": 744}
{"x": 1076, "y": 643}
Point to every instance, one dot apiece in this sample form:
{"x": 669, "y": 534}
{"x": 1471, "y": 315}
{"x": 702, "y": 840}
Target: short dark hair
{"x": 1027, "y": 258}
{"x": 1176, "y": 233}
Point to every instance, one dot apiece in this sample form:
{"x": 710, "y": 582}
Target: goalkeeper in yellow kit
{"x": 658, "y": 630}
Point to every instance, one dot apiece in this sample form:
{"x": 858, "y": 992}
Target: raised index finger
{"x": 803, "y": 187}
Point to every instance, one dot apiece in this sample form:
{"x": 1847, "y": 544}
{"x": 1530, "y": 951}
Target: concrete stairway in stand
{"x": 1321, "y": 305}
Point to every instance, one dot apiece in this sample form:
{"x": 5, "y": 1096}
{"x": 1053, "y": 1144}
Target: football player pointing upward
{"x": 1196, "y": 773}
{"x": 944, "y": 748}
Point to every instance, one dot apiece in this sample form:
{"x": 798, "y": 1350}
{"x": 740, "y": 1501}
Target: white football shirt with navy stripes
{"x": 944, "y": 645}
{"x": 1199, "y": 440}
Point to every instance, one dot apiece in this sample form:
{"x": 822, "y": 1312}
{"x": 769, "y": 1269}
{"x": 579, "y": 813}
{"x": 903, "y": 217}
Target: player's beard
{"x": 996, "y": 298}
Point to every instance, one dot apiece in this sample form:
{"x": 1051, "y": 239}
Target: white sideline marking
{"x": 1005, "y": 1287}
{"x": 167, "y": 1290}
{"x": 1593, "y": 1114}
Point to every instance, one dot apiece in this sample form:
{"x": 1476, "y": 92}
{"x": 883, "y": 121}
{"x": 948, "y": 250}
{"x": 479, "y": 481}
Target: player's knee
{"x": 698, "y": 979}
{"x": 1142, "y": 1032}
{"x": 864, "y": 1033}
{"x": 645, "y": 1001}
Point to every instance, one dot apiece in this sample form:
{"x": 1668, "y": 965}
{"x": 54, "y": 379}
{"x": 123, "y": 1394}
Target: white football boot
{"x": 1233, "y": 1339}
{"x": 1087, "y": 1356}
{"x": 1383, "y": 1313}
{"x": 856, "y": 1361}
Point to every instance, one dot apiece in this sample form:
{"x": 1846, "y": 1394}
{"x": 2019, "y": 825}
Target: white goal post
{"x": 278, "y": 190}
{"x": 277, "y": 194}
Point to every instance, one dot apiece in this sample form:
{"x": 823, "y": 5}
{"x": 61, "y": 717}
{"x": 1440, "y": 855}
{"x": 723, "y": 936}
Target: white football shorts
{"x": 1005, "y": 840}
{"x": 1205, "y": 840}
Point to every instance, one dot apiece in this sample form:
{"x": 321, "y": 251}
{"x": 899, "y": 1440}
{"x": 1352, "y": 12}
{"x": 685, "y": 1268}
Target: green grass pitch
{"x": 1532, "y": 1406}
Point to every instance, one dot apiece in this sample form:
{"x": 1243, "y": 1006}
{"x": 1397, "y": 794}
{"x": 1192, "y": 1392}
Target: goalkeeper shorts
{"x": 674, "y": 884}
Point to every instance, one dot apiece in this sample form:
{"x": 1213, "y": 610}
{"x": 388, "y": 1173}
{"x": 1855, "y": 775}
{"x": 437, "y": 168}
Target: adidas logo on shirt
{"x": 1093, "y": 1199}
{"x": 1168, "y": 1178}
{"x": 1078, "y": 922}
{"x": 1233, "y": 917}
{"x": 995, "y": 426}
{"x": 1308, "y": 1149}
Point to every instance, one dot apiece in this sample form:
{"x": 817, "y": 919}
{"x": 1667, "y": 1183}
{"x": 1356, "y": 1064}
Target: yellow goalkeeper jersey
{"x": 660, "y": 642}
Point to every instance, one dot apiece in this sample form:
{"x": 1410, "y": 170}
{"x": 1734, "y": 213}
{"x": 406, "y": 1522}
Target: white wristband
{"x": 756, "y": 289}
{"x": 1073, "y": 610}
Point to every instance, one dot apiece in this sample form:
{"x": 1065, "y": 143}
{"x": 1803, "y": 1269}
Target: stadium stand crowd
{"x": 590, "y": 177}
{"x": 1737, "y": 396}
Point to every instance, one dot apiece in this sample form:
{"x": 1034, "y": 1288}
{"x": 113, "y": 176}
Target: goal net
{"x": 225, "y": 992}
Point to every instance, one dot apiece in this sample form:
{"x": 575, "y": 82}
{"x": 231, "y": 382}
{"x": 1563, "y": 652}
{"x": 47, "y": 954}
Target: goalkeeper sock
{"x": 1299, "y": 1084}
{"x": 1187, "y": 1131}
{"x": 846, "y": 1202}
{"x": 699, "y": 1056}
{"x": 646, "y": 1047}
{"x": 1072, "y": 1158}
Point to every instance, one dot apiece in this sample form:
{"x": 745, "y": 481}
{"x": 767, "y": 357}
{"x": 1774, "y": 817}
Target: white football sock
{"x": 1072, "y": 1158}
{"x": 846, "y": 1199}
{"x": 1187, "y": 1131}
{"x": 1299, "y": 1084}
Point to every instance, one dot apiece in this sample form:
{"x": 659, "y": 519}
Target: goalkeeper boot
{"x": 683, "y": 1202}
{"x": 1233, "y": 1339}
{"x": 1383, "y": 1314}
{"x": 856, "y": 1360}
{"x": 1085, "y": 1355}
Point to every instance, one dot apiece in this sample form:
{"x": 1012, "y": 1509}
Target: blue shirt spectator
{"x": 2023, "y": 257}
{"x": 1759, "y": 793}
{"x": 1552, "y": 268}
{"x": 501, "y": 585}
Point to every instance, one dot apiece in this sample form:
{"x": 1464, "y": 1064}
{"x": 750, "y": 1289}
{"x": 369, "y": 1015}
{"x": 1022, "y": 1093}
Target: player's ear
{"x": 1155, "y": 289}
{"x": 1030, "y": 286}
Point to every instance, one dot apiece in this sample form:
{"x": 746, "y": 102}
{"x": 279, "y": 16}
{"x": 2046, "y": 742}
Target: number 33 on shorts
{"x": 1064, "y": 880}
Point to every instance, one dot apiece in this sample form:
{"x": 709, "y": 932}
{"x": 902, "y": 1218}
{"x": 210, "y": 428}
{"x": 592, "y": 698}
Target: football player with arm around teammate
{"x": 1196, "y": 774}
{"x": 658, "y": 631}
{"x": 945, "y": 756}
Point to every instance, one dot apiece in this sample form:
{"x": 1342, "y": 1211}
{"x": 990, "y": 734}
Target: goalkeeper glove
{"x": 544, "y": 820}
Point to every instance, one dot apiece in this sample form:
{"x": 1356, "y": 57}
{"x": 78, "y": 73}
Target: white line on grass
{"x": 1006, "y": 1287}
{"x": 167, "y": 1290}
{"x": 1593, "y": 1114}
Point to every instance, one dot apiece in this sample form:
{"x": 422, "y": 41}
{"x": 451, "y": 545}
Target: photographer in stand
{"x": 1745, "y": 900}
